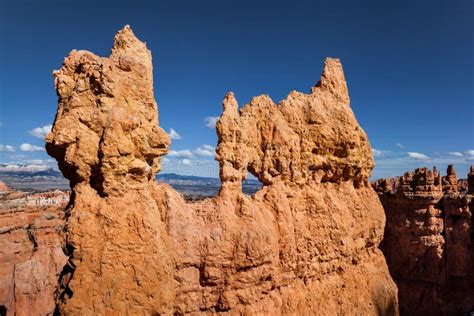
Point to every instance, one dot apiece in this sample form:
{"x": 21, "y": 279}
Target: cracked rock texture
{"x": 31, "y": 255}
{"x": 429, "y": 241}
{"x": 306, "y": 243}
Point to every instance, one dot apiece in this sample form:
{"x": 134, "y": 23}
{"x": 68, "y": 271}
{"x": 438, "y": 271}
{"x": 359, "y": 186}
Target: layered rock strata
{"x": 31, "y": 254}
{"x": 429, "y": 241}
{"x": 306, "y": 243}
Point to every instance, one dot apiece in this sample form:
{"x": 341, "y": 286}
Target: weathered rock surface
{"x": 429, "y": 242}
{"x": 470, "y": 181}
{"x": 4, "y": 187}
{"x": 450, "y": 181}
{"x": 31, "y": 254}
{"x": 306, "y": 243}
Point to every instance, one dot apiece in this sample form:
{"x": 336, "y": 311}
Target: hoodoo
{"x": 428, "y": 241}
{"x": 306, "y": 243}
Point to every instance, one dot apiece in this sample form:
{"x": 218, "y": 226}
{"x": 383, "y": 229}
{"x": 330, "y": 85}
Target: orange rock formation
{"x": 31, "y": 254}
{"x": 3, "y": 187}
{"x": 306, "y": 243}
{"x": 429, "y": 242}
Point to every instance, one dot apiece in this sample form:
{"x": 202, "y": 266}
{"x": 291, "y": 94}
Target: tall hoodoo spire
{"x": 106, "y": 132}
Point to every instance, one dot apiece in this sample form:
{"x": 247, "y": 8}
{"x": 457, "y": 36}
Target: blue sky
{"x": 409, "y": 67}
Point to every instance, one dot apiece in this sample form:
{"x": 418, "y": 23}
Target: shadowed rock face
{"x": 428, "y": 241}
{"x": 470, "y": 181}
{"x": 306, "y": 243}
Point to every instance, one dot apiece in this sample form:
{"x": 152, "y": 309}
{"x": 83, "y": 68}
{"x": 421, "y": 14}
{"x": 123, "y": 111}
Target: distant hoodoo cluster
{"x": 429, "y": 240}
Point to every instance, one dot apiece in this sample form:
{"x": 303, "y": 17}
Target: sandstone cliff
{"x": 306, "y": 243}
{"x": 31, "y": 254}
{"x": 429, "y": 241}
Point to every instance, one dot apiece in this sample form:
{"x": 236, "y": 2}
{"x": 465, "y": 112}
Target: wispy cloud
{"x": 209, "y": 147}
{"x": 456, "y": 154}
{"x": 395, "y": 163}
{"x": 18, "y": 157}
{"x": 379, "y": 153}
{"x": 211, "y": 121}
{"x": 400, "y": 146}
{"x": 185, "y": 153}
{"x": 201, "y": 151}
{"x": 174, "y": 134}
{"x": 205, "y": 151}
{"x": 40, "y": 132}
{"x": 470, "y": 155}
{"x": 186, "y": 162}
{"x": 30, "y": 148}
{"x": 418, "y": 156}
{"x": 7, "y": 148}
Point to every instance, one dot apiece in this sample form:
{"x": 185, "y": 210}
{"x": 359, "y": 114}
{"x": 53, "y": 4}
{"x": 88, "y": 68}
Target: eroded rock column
{"x": 108, "y": 143}
{"x": 306, "y": 243}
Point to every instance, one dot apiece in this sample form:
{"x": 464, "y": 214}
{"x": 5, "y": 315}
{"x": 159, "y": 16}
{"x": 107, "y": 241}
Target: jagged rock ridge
{"x": 306, "y": 242}
{"x": 432, "y": 222}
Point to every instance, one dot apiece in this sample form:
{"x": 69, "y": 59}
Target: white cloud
{"x": 185, "y": 153}
{"x": 205, "y": 151}
{"x": 7, "y": 148}
{"x": 174, "y": 134}
{"x": 378, "y": 153}
{"x": 18, "y": 157}
{"x": 29, "y": 168}
{"x": 186, "y": 162}
{"x": 456, "y": 153}
{"x": 29, "y": 147}
{"x": 470, "y": 155}
{"x": 395, "y": 163}
{"x": 41, "y": 132}
{"x": 41, "y": 162}
{"x": 418, "y": 156}
{"x": 209, "y": 147}
{"x": 211, "y": 121}
{"x": 400, "y": 146}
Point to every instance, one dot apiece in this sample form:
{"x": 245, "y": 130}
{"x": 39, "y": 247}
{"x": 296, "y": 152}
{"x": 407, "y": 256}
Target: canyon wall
{"x": 306, "y": 243}
{"x": 429, "y": 241}
{"x": 31, "y": 254}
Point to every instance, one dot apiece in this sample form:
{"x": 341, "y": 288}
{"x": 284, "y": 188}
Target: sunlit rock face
{"x": 429, "y": 241}
{"x": 306, "y": 243}
{"x": 31, "y": 254}
{"x": 106, "y": 130}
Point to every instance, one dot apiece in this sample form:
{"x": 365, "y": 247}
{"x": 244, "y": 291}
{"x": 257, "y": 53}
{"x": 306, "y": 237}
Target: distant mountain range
{"x": 33, "y": 177}
{"x": 28, "y": 170}
{"x": 173, "y": 178}
{"x": 196, "y": 187}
